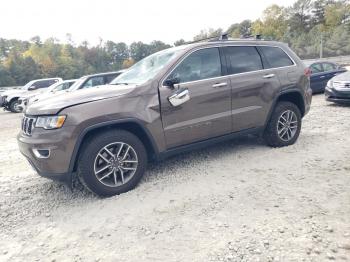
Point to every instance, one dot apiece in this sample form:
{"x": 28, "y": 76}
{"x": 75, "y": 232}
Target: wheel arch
{"x": 294, "y": 96}
{"x": 13, "y": 98}
{"x": 134, "y": 126}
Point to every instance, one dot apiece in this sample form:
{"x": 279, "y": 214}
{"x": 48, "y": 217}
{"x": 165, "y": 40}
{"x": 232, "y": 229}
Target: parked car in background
{"x": 84, "y": 82}
{"x": 338, "y": 89}
{"x": 95, "y": 80}
{"x": 9, "y": 98}
{"x": 175, "y": 100}
{"x": 56, "y": 88}
{"x": 321, "y": 73}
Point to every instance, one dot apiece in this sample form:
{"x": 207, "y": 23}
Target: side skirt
{"x": 205, "y": 143}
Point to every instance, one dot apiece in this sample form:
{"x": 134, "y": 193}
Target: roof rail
{"x": 224, "y": 37}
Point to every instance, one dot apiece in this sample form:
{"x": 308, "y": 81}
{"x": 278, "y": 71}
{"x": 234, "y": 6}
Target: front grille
{"x": 341, "y": 85}
{"x": 28, "y": 125}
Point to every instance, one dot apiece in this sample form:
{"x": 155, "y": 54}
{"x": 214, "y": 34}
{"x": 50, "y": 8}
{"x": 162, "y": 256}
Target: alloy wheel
{"x": 287, "y": 125}
{"x": 115, "y": 164}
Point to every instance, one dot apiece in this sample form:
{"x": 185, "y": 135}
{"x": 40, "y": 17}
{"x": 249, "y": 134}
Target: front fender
{"x": 113, "y": 123}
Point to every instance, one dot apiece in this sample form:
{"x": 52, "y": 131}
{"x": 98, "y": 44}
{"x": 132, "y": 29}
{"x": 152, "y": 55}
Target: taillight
{"x": 307, "y": 72}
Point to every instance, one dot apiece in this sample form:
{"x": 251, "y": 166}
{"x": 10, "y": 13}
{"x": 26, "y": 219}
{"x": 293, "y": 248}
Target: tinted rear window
{"x": 275, "y": 57}
{"x": 242, "y": 59}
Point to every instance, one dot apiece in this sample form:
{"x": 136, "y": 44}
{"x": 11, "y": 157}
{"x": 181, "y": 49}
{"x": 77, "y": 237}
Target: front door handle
{"x": 322, "y": 76}
{"x": 219, "y": 85}
{"x": 269, "y": 76}
{"x": 179, "y": 97}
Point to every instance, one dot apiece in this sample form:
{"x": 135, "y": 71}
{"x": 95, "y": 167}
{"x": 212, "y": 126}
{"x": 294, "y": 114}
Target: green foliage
{"x": 301, "y": 25}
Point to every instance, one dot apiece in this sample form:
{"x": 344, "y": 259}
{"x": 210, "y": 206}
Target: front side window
{"x": 242, "y": 59}
{"x": 316, "y": 68}
{"x": 94, "y": 81}
{"x": 275, "y": 57}
{"x": 109, "y": 78}
{"x": 201, "y": 64}
{"x": 42, "y": 84}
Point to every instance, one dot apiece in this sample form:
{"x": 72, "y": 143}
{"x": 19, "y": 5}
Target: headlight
{"x": 50, "y": 122}
{"x": 330, "y": 84}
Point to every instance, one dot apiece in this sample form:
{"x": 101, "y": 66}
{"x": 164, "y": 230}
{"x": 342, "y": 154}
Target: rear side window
{"x": 242, "y": 59}
{"x": 275, "y": 57}
{"x": 199, "y": 65}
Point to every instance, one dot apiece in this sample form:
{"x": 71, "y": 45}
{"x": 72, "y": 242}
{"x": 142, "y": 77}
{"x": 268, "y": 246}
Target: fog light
{"x": 41, "y": 153}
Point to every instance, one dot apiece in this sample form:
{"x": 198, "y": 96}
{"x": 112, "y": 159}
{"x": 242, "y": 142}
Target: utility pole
{"x": 321, "y": 46}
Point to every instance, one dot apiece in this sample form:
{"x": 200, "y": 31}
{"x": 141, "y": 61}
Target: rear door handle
{"x": 219, "y": 85}
{"x": 269, "y": 76}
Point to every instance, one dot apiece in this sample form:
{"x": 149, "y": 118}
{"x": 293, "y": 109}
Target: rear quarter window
{"x": 275, "y": 57}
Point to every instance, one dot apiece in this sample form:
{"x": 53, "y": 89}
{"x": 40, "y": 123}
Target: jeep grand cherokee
{"x": 174, "y": 100}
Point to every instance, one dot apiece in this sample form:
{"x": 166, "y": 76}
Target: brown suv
{"x": 174, "y": 100}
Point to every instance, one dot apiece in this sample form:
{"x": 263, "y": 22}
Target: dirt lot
{"x": 238, "y": 201}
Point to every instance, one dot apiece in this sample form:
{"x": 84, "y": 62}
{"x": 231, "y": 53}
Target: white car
{"x": 9, "y": 98}
{"x": 56, "y": 88}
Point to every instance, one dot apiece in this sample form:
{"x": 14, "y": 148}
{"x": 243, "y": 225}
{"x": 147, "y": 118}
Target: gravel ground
{"x": 238, "y": 201}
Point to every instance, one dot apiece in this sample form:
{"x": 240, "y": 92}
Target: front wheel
{"x": 284, "y": 126}
{"x": 112, "y": 163}
{"x": 14, "y": 106}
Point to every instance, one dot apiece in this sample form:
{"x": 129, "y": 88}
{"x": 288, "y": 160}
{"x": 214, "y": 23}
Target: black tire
{"x": 271, "y": 135}
{"x": 13, "y": 105}
{"x": 88, "y": 156}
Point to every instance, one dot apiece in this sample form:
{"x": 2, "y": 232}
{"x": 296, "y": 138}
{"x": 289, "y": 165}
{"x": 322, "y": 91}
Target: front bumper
{"x": 60, "y": 144}
{"x": 336, "y": 96}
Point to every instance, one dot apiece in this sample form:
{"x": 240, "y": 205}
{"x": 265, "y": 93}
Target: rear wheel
{"x": 284, "y": 126}
{"x": 14, "y": 106}
{"x": 112, "y": 163}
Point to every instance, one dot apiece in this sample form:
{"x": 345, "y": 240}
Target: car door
{"x": 253, "y": 88}
{"x": 317, "y": 77}
{"x": 207, "y": 113}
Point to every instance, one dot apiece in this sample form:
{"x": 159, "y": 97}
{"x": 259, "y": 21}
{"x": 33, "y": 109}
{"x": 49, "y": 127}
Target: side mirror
{"x": 32, "y": 88}
{"x": 171, "y": 82}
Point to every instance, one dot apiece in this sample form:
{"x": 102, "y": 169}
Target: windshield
{"x": 54, "y": 86}
{"x": 147, "y": 68}
{"x": 77, "y": 84}
{"x": 25, "y": 87}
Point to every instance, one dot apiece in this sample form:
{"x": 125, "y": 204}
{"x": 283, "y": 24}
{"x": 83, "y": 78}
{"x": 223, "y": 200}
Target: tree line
{"x": 305, "y": 26}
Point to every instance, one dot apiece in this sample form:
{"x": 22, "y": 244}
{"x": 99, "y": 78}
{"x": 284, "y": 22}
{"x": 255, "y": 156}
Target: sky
{"x": 123, "y": 21}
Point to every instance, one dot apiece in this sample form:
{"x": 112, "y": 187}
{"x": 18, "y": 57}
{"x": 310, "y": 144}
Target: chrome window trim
{"x": 228, "y": 75}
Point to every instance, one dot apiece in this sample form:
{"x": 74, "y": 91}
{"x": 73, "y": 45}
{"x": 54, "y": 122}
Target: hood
{"x": 342, "y": 77}
{"x": 13, "y": 92}
{"x": 57, "y": 102}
